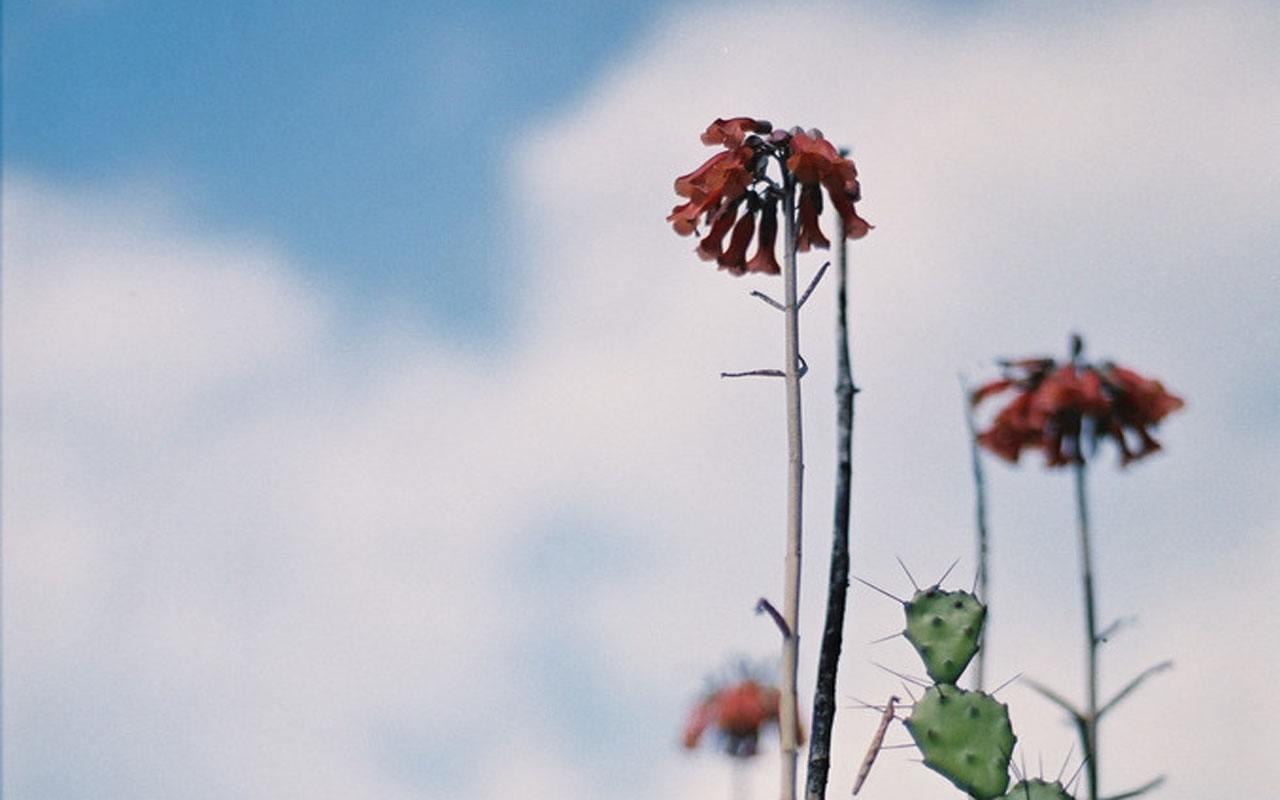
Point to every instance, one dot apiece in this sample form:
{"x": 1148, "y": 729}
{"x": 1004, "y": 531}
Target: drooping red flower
{"x": 737, "y": 713}
{"x": 808, "y": 216}
{"x": 736, "y": 181}
{"x": 722, "y": 179}
{"x": 764, "y": 260}
{"x": 1057, "y": 407}
{"x": 814, "y": 161}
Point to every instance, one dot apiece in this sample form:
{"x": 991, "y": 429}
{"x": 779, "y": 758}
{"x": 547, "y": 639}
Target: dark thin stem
{"x": 981, "y": 582}
{"x": 824, "y": 694}
{"x": 1089, "y": 729}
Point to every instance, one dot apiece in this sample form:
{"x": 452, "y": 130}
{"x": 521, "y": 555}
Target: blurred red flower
{"x": 737, "y": 713}
{"x": 733, "y": 187}
{"x": 1056, "y": 407}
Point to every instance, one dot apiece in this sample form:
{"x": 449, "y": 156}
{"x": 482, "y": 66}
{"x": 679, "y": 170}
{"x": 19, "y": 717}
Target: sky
{"x": 362, "y": 427}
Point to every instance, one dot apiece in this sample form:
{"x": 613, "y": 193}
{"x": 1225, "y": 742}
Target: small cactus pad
{"x": 1037, "y": 790}
{"x": 965, "y": 737}
{"x": 944, "y": 628}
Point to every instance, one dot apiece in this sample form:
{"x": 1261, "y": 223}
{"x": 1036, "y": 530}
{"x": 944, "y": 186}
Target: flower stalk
{"x": 790, "y": 711}
{"x": 981, "y": 581}
{"x": 727, "y": 194}
{"x": 1089, "y": 728}
{"x": 1066, "y": 409}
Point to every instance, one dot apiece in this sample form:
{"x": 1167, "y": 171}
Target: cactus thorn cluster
{"x": 944, "y": 628}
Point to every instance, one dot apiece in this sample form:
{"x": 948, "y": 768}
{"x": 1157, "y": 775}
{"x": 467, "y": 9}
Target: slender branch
{"x": 1143, "y": 789}
{"x": 824, "y": 693}
{"x": 1111, "y": 630}
{"x": 763, "y": 606}
{"x": 769, "y": 300}
{"x": 767, "y": 373}
{"x": 1089, "y": 730}
{"x": 877, "y": 744}
{"x": 1057, "y": 699}
{"x": 1133, "y": 684}
{"x": 981, "y": 584}
{"x": 789, "y": 714}
{"x": 755, "y": 373}
{"x": 813, "y": 284}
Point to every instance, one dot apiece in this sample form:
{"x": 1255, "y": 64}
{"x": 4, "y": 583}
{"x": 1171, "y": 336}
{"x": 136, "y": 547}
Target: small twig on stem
{"x": 1143, "y": 789}
{"x": 755, "y": 373}
{"x": 813, "y": 284}
{"x": 769, "y": 300}
{"x": 1133, "y": 684}
{"x": 767, "y": 373}
{"x": 763, "y": 606}
{"x": 877, "y": 742}
{"x": 1114, "y": 628}
{"x": 1057, "y": 699}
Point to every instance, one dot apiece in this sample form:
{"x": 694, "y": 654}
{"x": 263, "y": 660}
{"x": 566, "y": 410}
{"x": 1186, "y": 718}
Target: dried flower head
{"x": 733, "y": 188}
{"x": 737, "y": 713}
{"x": 1056, "y": 407}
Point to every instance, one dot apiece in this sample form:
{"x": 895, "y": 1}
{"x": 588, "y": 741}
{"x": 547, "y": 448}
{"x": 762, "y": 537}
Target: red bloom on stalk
{"x": 815, "y": 162}
{"x": 737, "y": 713}
{"x": 735, "y": 182}
{"x": 1057, "y": 406}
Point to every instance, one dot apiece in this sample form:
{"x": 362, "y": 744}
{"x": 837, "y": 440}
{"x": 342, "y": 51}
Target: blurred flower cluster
{"x": 1056, "y": 407}
{"x": 733, "y": 188}
{"x": 736, "y": 713}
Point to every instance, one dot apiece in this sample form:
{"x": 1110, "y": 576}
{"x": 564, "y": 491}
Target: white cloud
{"x": 248, "y": 555}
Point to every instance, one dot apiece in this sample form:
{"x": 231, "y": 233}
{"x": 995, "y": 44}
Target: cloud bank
{"x": 252, "y": 550}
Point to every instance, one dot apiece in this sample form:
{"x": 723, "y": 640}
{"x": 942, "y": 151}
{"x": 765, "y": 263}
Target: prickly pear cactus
{"x": 965, "y": 737}
{"x": 944, "y": 628}
{"x": 1037, "y": 790}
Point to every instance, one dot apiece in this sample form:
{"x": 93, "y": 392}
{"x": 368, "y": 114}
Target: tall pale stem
{"x": 1089, "y": 730}
{"x": 789, "y": 709}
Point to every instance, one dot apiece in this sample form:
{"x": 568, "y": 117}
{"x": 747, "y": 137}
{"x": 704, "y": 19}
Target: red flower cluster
{"x": 737, "y": 713}
{"x": 737, "y": 176}
{"x": 1058, "y": 405}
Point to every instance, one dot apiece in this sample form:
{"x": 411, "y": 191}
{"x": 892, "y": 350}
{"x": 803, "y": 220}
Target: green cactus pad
{"x": 944, "y": 628}
{"x": 965, "y": 737}
{"x": 1037, "y": 790}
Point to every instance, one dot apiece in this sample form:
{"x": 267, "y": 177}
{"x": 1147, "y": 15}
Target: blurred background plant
{"x": 1067, "y": 409}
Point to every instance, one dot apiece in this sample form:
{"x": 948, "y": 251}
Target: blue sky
{"x": 361, "y": 413}
{"x": 368, "y": 143}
